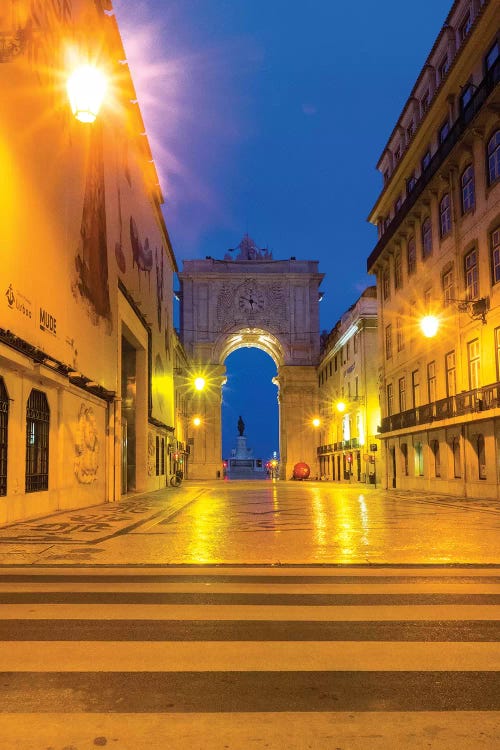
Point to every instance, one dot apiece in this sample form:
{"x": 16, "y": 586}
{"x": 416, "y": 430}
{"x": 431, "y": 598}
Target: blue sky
{"x": 269, "y": 116}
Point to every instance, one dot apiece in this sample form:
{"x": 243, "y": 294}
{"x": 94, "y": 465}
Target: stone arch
{"x": 258, "y": 338}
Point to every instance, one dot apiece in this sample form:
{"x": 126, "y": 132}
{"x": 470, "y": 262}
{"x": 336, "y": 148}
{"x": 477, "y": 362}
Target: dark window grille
{"x": 4, "y": 423}
{"x": 445, "y": 215}
{"x": 468, "y": 192}
{"x": 426, "y": 237}
{"x": 411, "y": 252}
{"x": 37, "y": 442}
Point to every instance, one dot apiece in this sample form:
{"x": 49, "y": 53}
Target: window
{"x": 398, "y": 276}
{"x": 474, "y": 362}
{"x": 457, "y": 463}
{"x": 494, "y": 157}
{"x": 402, "y": 394}
{"x": 390, "y": 399}
{"x": 443, "y": 131}
{"x": 355, "y": 344}
{"x": 419, "y": 459}
{"x": 464, "y": 27}
{"x": 4, "y": 424}
{"x": 491, "y": 57}
{"x": 471, "y": 275}
{"x": 400, "y": 339}
{"x": 443, "y": 68}
{"x": 386, "y": 284}
{"x": 388, "y": 341}
{"x": 481, "y": 457}
{"x": 37, "y": 442}
{"x": 426, "y": 160}
{"x": 425, "y": 101}
{"x": 448, "y": 287}
{"x": 495, "y": 254}
{"x": 415, "y": 388}
{"x": 162, "y": 457}
{"x": 157, "y": 457}
{"x": 497, "y": 351}
{"x": 451, "y": 374}
{"x": 404, "y": 458}
{"x": 467, "y": 189}
{"x": 466, "y": 96}
{"x": 431, "y": 382}
{"x": 410, "y": 183}
{"x": 348, "y": 351}
{"x": 330, "y": 364}
{"x": 426, "y": 237}
{"x": 412, "y": 255}
{"x": 335, "y": 363}
{"x": 436, "y": 457}
{"x": 445, "y": 215}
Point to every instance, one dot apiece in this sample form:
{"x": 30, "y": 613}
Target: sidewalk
{"x": 82, "y": 530}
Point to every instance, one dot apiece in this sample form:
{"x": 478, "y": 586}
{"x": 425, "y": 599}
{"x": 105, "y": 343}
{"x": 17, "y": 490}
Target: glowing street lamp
{"x": 341, "y": 407}
{"x": 196, "y": 421}
{"x": 199, "y": 383}
{"x": 429, "y": 326}
{"x": 316, "y": 422}
{"x": 86, "y": 88}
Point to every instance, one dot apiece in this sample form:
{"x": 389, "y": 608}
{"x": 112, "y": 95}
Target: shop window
{"x": 457, "y": 461}
{"x": 37, "y": 442}
{"x": 404, "y": 458}
{"x": 419, "y": 459}
{"x": 436, "y": 457}
{"x": 481, "y": 457}
{"x": 4, "y": 425}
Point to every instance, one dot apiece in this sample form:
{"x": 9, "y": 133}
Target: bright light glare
{"x": 429, "y": 325}
{"x": 86, "y": 87}
{"x": 340, "y": 406}
{"x": 196, "y": 421}
{"x": 316, "y": 422}
{"x": 199, "y": 383}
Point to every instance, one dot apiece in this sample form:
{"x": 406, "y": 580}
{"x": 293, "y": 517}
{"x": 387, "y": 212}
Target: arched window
{"x": 437, "y": 458}
{"x": 37, "y": 442}
{"x": 411, "y": 255}
{"x": 426, "y": 237}
{"x": 467, "y": 189}
{"x": 4, "y": 424}
{"x": 445, "y": 215}
{"x": 481, "y": 457}
{"x": 493, "y": 156}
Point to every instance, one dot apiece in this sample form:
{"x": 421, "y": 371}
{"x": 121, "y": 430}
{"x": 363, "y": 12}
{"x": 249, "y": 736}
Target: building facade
{"x": 349, "y": 411}
{"x": 86, "y": 352}
{"x": 438, "y": 254}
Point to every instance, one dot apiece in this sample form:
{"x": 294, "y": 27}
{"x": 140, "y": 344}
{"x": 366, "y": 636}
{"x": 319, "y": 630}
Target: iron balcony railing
{"x": 477, "y": 100}
{"x": 466, "y": 402}
{"x": 342, "y": 445}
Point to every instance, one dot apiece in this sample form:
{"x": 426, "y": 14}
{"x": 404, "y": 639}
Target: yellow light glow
{"x": 199, "y": 383}
{"x": 86, "y": 87}
{"x": 429, "y": 325}
{"x": 341, "y": 406}
{"x": 196, "y": 421}
{"x": 316, "y": 422}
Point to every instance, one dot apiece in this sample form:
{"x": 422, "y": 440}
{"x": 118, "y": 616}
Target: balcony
{"x": 343, "y": 445}
{"x": 459, "y": 127}
{"x": 466, "y": 402}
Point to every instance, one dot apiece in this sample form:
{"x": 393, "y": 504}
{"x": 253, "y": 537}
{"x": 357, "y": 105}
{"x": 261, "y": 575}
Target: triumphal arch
{"x": 248, "y": 299}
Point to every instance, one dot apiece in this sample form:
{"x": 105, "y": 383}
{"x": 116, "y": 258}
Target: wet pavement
{"x": 265, "y": 523}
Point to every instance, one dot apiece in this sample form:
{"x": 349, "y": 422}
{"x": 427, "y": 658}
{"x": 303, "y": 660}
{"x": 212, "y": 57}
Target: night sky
{"x": 268, "y": 117}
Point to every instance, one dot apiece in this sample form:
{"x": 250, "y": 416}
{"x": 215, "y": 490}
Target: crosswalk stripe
{"x": 288, "y": 656}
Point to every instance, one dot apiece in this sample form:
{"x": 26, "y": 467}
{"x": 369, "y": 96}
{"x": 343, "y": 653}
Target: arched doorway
{"x": 249, "y": 393}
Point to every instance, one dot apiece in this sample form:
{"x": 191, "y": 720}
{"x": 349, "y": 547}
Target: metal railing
{"x": 477, "y": 100}
{"x": 466, "y": 402}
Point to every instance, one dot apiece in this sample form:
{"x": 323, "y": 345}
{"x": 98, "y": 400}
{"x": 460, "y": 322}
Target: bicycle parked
{"x": 176, "y": 479}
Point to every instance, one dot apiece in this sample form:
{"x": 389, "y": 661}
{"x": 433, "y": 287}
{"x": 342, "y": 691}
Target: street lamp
{"x": 199, "y": 383}
{"x": 86, "y": 88}
{"x": 429, "y": 326}
{"x": 196, "y": 421}
{"x": 316, "y": 422}
{"x": 341, "y": 406}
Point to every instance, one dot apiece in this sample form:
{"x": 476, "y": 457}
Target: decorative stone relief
{"x": 86, "y": 446}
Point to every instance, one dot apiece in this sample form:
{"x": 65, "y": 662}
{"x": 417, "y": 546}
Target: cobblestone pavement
{"x": 262, "y": 522}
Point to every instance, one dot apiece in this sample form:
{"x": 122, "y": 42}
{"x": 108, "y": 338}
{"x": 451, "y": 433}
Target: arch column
{"x": 298, "y": 397}
{"x": 205, "y": 441}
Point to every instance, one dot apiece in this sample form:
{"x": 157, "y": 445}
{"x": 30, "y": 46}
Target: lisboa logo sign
{"x": 18, "y": 302}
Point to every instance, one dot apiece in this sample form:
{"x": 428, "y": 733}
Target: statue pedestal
{"x": 241, "y": 448}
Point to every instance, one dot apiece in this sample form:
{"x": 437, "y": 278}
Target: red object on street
{"x": 301, "y": 471}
